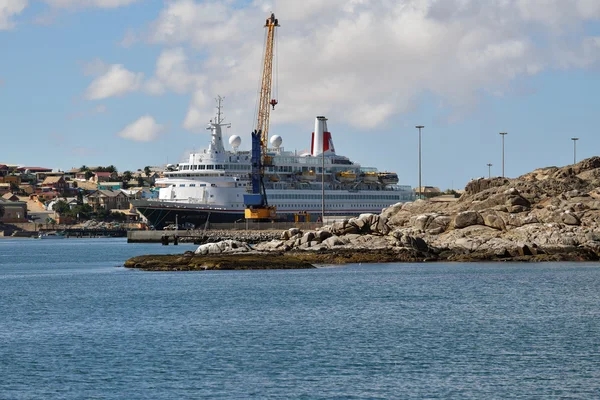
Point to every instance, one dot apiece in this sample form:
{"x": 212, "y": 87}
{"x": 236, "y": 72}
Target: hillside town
{"x": 33, "y": 197}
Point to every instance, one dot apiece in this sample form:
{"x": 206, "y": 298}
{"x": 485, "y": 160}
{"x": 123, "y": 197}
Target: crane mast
{"x": 265, "y": 99}
{"x": 257, "y": 206}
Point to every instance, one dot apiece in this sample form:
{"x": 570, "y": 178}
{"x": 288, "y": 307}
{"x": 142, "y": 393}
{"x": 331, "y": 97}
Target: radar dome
{"x": 276, "y": 141}
{"x": 235, "y": 141}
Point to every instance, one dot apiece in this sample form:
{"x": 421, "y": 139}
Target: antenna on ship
{"x": 219, "y": 99}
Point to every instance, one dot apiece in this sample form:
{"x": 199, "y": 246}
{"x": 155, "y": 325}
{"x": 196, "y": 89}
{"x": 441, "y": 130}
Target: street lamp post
{"x": 489, "y": 170}
{"x": 574, "y": 139}
{"x": 419, "y": 127}
{"x": 503, "y": 134}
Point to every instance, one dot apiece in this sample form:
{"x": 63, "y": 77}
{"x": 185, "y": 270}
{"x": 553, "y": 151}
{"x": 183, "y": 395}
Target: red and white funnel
{"x": 321, "y": 139}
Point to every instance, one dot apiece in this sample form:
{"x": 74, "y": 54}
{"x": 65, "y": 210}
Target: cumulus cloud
{"x": 365, "y": 61}
{"x": 144, "y": 129}
{"x": 197, "y": 115}
{"x": 116, "y": 81}
{"x": 89, "y": 3}
{"x": 8, "y": 10}
{"x": 173, "y": 73}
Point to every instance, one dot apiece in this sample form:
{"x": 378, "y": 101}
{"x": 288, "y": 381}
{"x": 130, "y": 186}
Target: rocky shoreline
{"x": 550, "y": 214}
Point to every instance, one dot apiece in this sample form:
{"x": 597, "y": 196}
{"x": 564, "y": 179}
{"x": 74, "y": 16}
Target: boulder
{"x": 570, "y": 219}
{"x": 333, "y": 241}
{"x": 225, "y": 246}
{"x": 440, "y": 222}
{"x": 467, "y": 218}
{"x": 307, "y": 237}
{"x": 322, "y": 235}
{"x": 494, "y": 221}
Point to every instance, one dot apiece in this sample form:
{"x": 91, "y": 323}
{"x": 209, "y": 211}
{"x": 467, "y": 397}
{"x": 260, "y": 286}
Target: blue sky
{"x": 131, "y": 82}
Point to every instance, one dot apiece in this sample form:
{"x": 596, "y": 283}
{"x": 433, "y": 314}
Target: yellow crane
{"x": 257, "y": 206}
{"x": 265, "y": 100}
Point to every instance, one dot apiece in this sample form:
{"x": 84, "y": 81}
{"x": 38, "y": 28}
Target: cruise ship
{"x": 210, "y": 184}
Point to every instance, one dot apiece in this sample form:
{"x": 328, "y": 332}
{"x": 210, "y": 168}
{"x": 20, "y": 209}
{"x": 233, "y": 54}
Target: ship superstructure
{"x": 210, "y": 184}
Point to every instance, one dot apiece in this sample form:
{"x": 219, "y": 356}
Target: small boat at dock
{"x": 51, "y": 235}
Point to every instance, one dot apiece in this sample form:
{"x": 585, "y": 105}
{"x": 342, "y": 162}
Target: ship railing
{"x": 245, "y": 225}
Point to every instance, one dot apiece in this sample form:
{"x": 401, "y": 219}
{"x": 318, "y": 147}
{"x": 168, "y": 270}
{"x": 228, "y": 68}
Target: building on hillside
{"x": 26, "y": 188}
{"x": 34, "y": 174}
{"x": 72, "y": 173}
{"x": 71, "y": 202}
{"x": 10, "y": 197}
{"x": 104, "y": 177}
{"x": 4, "y": 188}
{"x": 108, "y": 200}
{"x": 14, "y": 211}
{"x": 428, "y": 191}
{"x": 4, "y": 170}
{"x": 87, "y": 185}
{"x": 81, "y": 176}
{"x": 33, "y": 170}
{"x": 148, "y": 180}
{"x": 45, "y": 194}
{"x": 14, "y": 179}
{"x": 110, "y": 185}
{"x": 56, "y": 183}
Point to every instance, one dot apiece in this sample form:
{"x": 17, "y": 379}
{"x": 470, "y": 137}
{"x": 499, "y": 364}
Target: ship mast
{"x": 216, "y": 143}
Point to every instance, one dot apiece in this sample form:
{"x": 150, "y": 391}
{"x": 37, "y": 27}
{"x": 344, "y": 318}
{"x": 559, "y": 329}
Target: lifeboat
{"x": 388, "y": 178}
{"x": 370, "y": 177}
{"x": 346, "y": 176}
{"x": 306, "y": 176}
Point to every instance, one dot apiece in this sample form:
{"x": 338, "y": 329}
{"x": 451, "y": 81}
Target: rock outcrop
{"x": 550, "y": 213}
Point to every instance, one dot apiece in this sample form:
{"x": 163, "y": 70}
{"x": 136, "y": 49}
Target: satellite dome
{"x": 235, "y": 141}
{"x": 276, "y": 141}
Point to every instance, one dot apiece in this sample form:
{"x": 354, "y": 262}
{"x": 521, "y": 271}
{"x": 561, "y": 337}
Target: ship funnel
{"x": 321, "y": 139}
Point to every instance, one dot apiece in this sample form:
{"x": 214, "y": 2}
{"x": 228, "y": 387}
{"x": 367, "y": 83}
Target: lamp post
{"x": 489, "y": 170}
{"x": 503, "y": 134}
{"x": 419, "y": 127}
{"x": 574, "y": 139}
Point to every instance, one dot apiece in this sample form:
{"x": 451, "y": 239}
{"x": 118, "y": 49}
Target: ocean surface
{"x": 74, "y": 325}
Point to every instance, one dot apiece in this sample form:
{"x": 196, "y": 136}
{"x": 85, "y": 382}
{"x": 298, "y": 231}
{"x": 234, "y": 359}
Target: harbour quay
{"x": 246, "y": 232}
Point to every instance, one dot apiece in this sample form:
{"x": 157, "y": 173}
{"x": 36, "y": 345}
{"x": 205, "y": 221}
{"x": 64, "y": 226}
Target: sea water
{"x": 74, "y": 325}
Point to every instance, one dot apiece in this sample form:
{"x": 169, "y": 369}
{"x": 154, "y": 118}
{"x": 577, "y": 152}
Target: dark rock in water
{"x": 242, "y": 261}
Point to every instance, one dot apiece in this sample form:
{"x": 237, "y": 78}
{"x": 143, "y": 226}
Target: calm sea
{"x": 74, "y": 326}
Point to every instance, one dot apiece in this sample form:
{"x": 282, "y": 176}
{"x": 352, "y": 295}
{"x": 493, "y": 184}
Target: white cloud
{"x": 173, "y": 73}
{"x": 144, "y": 129}
{"x": 202, "y": 24}
{"x": 117, "y": 81}
{"x": 362, "y": 61}
{"x": 89, "y": 3}
{"x": 197, "y": 115}
{"x": 9, "y": 9}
